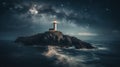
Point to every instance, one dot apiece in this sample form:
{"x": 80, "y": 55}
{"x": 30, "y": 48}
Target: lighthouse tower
{"x": 54, "y": 26}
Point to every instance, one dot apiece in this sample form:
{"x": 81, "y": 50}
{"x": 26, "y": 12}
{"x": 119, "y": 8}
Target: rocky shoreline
{"x": 55, "y": 38}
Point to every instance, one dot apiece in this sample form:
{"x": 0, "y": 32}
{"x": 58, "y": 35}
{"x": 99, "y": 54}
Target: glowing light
{"x": 33, "y": 10}
{"x": 55, "y": 21}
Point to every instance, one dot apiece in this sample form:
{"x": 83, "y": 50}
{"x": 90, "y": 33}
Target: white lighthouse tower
{"x": 54, "y": 26}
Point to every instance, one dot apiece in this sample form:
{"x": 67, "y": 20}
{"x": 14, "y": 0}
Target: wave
{"x": 66, "y": 57}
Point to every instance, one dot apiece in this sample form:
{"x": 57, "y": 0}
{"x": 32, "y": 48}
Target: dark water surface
{"x": 16, "y": 55}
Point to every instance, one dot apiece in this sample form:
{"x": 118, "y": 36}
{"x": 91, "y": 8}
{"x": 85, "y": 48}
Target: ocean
{"x": 107, "y": 54}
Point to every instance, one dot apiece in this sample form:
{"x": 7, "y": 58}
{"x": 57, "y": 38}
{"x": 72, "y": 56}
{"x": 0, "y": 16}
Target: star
{"x": 61, "y": 5}
{"x": 107, "y": 9}
{"x": 3, "y": 3}
{"x": 86, "y": 9}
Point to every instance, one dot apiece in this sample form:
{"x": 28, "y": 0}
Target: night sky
{"x": 86, "y": 19}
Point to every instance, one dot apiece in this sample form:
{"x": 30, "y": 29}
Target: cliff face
{"x": 53, "y": 38}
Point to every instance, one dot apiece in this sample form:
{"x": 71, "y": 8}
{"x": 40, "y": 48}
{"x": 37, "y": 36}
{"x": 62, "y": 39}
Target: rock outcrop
{"x": 53, "y": 38}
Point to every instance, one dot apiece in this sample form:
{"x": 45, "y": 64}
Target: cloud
{"x": 87, "y": 34}
{"x": 38, "y": 17}
{"x": 33, "y": 10}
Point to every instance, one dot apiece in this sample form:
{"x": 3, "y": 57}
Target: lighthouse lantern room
{"x": 54, "y": 26}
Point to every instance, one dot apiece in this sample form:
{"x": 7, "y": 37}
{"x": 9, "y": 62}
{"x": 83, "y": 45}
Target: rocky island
{"x": 55, "y": 38}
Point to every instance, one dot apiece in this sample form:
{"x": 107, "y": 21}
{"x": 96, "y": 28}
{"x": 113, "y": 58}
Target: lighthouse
{"x": 54, "y": 26}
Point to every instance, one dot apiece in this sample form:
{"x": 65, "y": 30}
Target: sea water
{"x": 107, "y": 54}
